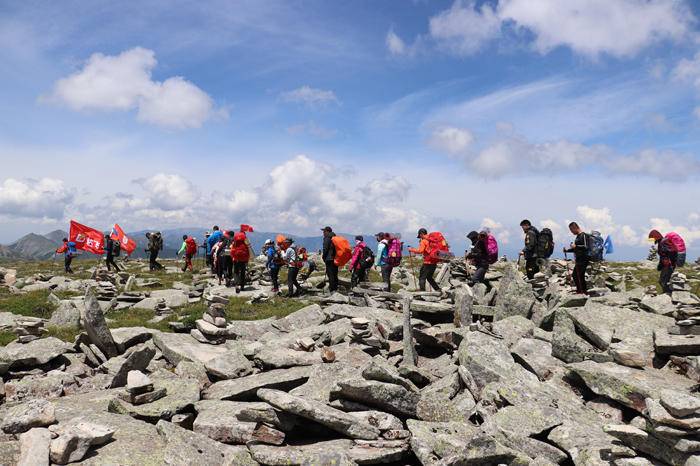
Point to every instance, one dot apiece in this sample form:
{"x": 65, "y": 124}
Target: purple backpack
{"x": 393, "y": 253}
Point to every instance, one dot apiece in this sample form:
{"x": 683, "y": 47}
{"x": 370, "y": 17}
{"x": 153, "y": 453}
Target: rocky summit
{"x": 151, "y": 368}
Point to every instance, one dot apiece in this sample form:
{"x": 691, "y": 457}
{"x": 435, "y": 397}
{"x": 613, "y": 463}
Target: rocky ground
{"x": 170, "y": 368}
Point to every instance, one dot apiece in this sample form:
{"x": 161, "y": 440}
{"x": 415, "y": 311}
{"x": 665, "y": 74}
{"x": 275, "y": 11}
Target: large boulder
{"x": 181, "y": 394}
{"x": 245, "y": 388}
{"x": 96, "y": 327}
{"x": 35, "y": 353}
{"x": 178, "y": 347}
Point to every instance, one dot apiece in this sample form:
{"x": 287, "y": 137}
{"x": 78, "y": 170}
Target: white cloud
{"x": 312, "y": 129}
{"x": 552, "y": 225}
{"x": 690, "y": 233}
{"x": 388, "y": 187}
{"x": 168, "y": 192}
{"x": 601, "y": 219}
{"x": 310, "y": 96}
{"x": 44, "y": 198}
{"x": 464, "y": 28}
{"x": 496, "y": 228}
{"x": 123, "y": 82}
{"x": 395, "y": 44}
{"x": 664, "y": 165}
{"x": 688, "y": 70}
{"x": 454, "y": 141}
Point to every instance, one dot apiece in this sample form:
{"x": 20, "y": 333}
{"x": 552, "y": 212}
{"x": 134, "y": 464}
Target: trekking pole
{"x": 413, "y": 269}
{"x": 568, "y": 270}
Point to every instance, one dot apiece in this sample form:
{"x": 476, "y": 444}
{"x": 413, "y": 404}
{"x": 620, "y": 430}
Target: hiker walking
{"x": 68, "y": 250}
{"x": 478, "y": 256}
{"x": 294, "y": 264}
{"x": 111, "y": 249}
{"x": 224, "y": 259}
{"x": 155, "y": 245}
{"x": 361, "y": 261}
{"x": 530, "y": 249}
{"x": 328, "y": 255}
{"x": 668, "y": 259}
{"x": 207, "y": 250}
{"x": 214, "y": 238}
{"x": 580, "y": 249}
{"x": 380, "y": 259}
{"x": 240, "y": 255}
{"x": 273, "y": 264}
{"x": 430, "y": 261}
{"x": 189, "y": 247}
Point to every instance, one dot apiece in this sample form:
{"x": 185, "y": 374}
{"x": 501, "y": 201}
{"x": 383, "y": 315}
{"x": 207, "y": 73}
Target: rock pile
{"x": 212, "y": 328}
{"x": 29, "y": 329}
{"x": 139, "y": 389}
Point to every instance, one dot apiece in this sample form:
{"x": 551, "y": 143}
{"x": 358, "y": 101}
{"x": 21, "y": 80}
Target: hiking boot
{"x": 238, "y": 290}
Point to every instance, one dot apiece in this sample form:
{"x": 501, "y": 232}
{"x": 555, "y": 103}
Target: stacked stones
{"x": 362, "y": 334}
{"x": 679, "y": 282}
{"x": 653, "y": 255}
{"x": 28, "y": 329}
{"x": 212, "y": 328}
{"x": 539, "y": 284}
{"x": 162, "y": 310}
{"x": 139, "y": 389}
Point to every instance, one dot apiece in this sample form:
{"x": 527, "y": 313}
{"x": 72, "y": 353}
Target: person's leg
{"x": 531, "y": 268}
{"x": 66, "y": 264}
{"x": 291, "y": 276}
{"x": 362, "y": 275}
{"x": 386, "y": 276}
{"x": 242, "y": 272}
{"x": 577, "y": 277}
{"x": 478, "y": 276}
{"x": 188, "y": 262}
{"x": 275, "y": 276}
{"x": 584, "y": 285}
{"x": 431, "y": 277}
{"x": 665, "y": 279}
{"x": 295, "y": 282}
{"x": 332, "y": 276}
{"x": 680, "y": 261}
{"x": 354, "y": 278}
{"x": 422, "y": 275}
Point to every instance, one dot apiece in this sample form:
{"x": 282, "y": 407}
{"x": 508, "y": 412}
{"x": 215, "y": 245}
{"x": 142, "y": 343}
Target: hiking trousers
{"x": 665, "y": 278}
{"x": 427, "y": 272}
{"x": 66, "y": 264}
{"x": 275, "y": 277}
{"x": 359, "y": 274}
{"x": 292, "y": 282}
{"x": 110, "y": 262}
{"x": 386, "y": 275}
{"x": 580, "y": 276}
{"x": 239, "y": 270}
{"x": 479, "y": 276}
{"x": 188, "y": 262}
{"x": 332, "y": 274}
{"x": 152, "y": 261}
{"x": 531, "y": 267}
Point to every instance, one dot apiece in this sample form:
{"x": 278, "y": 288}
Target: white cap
{"x": 268, "y": 241}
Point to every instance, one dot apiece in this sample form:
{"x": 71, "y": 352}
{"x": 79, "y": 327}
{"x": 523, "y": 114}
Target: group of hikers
{"x": 228, "y": 253}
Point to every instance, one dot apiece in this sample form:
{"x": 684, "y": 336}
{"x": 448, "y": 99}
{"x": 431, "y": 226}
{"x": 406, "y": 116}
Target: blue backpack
{"x": 596, "y": 246}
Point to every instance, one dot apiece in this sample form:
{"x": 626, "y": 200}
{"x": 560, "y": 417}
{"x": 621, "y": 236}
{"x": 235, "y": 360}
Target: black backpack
{"x": 545, "y": 243}
{"x": 116, "y": 248}
{"x": 367, "y": 257}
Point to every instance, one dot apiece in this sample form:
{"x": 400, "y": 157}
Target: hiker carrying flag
{"x": 68, "y": 250}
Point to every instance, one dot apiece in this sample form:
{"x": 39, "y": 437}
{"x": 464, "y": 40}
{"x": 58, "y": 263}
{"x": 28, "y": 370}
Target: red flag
{"x": 127, "y": 244}
{"x": 246, "y": 228}
{"x": 86, "y": 238}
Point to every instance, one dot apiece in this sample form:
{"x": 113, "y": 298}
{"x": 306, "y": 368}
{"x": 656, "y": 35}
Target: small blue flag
{"x": 608, "y": 245}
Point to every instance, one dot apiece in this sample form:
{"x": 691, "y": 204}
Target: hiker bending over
{"x": 427, "y": 270}
{"x": 478, "y": 256}
{"x": 581, "y": 258}
{"x": 668, "y": 259}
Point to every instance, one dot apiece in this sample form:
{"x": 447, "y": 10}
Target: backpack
{"x": 367, "y": 258}
{"x": 239, "y": 248}
{"x": 393, "y": 252}
{"x": 545, "y": 243}
{"x": 190, "y": 246}
{"x": 491, "y": 248}
{"x": 158, "y": 242}
{"x": 298, "y": 261}
{"x": 116, "y": 248}
{"x": 677, "y": 241}
{"x": 438, "y": 249}
{"x": 595, "y": 246}
{"x": 343, "y": 252}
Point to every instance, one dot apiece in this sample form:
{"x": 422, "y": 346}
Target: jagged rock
{"x": 184, "y": 447}
{"x": 659, "y": 415}
{"x": 245, "y": 388}
{"x": 126, "y": 337}
{"x": 95, "y": 325}
{"x": 384, "y": 396}
{"x": 536, "y": 356}
{"x": 137, "y": 382}
{"x": 75, "y": 438}
{"x": 320, "y": 413}
{"x": 193, "y": 370}
{"x": 136, "y": 359}
{"x": 34, "y": 447}
{"x": 608, "y": 410}
{"x": 566, "y": 344}
{"x": 660, "y": 304}
{"x": 680, "y": 404}
{"x": 341, "y": 452}
{"x": 378, "y": 369}
{"x": 229, "y": 365}
{"x": 276, "y": 358}
{"x": 513, "y": 329}
{"x": 51, "y": 385}
{"x": 65, "y": 315}
{"x": 178, "y": 347}
{"x": 642, "y": 441}
{"x": 173, "y": 298}
{"x": 34, "y": 353}
{"x": 305, "y": 317}
{"x": 668, "y": 344}
{"x": 24, "y": 416}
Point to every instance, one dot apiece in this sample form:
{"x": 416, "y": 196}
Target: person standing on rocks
{"x": 362, "y": 260}
{"x": 111, "y": 249}
{"x": 224, "y": 259}
{"x": 207, "y": 251}
{"x": 273, "y": 265}
{"x": 328, "y": 255}
{"x": 189, "y": 247}
{"x": 530, "y": 249}
{"x": 240, "y": 255}
{"x": 668, "y": 259}
{"x": 380, "y": 259}
{"x": 478, "y": 256}
{"x": 68, "y": 250}
{"x": 294, "y": 264}
{"x": 155, "y": 244}
{"x": 427, "y": 270}
{"x": 214, "y": 238}
{"x": 581, "y": 260}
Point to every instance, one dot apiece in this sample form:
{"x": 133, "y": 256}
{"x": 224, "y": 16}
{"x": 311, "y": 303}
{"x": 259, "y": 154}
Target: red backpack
{"x": 190, "y": 246}
{"x": 438, "y": 249}
{"x": 239, "y": 249}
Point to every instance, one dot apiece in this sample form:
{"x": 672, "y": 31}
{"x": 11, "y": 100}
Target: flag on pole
{"x": 86, "y": 238}
{"x": 608, "y": 245}
{"x": 126, "y": 243}
{"x": 246, "y": 228}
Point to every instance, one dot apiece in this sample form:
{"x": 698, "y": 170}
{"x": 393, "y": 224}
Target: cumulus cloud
{"x": 690, "y": 233}
{"x": 46, "y": 198}
{"x": 496, "y": 228}
{"x": 601, "y": 219}
{"x": 310, "y": 96}
{"x": 123, "y": 82}
{"x": 388, "y": 187}
{"x": 465, "y": 28}
{"x": 168, "y": 192}
{"x": 395, "y": 44}
{"x": 454, "y": 141}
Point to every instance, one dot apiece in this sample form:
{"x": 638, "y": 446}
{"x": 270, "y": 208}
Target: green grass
{"x": 237, "y": 308}
{"x": 6, "y": 337}
{"x": 66, "y": 334}
{"x": 31, "y": 304}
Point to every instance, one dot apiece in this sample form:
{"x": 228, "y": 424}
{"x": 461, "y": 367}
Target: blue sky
{"x": 367, "y": 115}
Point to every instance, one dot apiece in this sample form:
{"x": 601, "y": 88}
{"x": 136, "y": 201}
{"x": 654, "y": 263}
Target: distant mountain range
{"x": 41, "y": 247}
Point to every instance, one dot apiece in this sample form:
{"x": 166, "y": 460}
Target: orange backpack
{"x": 190, "y": 246}
{"x": 438, "y": 249}
{"x": 343, "y": 252}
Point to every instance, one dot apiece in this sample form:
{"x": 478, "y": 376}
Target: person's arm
{"x": 422, "y": 246}
{"x": 380, "y": 250}
{"x": 62, "y": 249}
{"x": 182, "y": 248}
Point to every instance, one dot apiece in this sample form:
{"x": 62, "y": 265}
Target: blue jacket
{"x": 382, "y": 253}
{"x": 271, "y": 254}
{"x": 214, "y": 238}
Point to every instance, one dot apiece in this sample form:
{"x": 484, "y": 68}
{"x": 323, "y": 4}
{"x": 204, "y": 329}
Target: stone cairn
{"x": 139, "y": 389}
{"x": 687, "y": 305}
{"x": 362, "y": 334}
{"x": 28, "y": 329}
{"x": 212, "y": 328}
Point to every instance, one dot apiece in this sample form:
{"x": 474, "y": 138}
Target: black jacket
{"x": 580, "y": 248}
{"x": 328, "y": 247}
{"x": 668, "y": 253}
{"x": 530, "y": 249}
{"x": 479, "y": 254}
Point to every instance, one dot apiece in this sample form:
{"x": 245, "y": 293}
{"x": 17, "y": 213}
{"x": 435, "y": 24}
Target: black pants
{"x": 480, "y": 274}
{"x": 239, "y": 270}
{"x": 110, "y": 263}
{"x": 580, "y": 276}
{"x": 66, "y": 264}
{"x": 427, "y": 271}
{"x": 332, "y": 274}
{"x": 531, "y": 267}
{"x": 665, "y": 278}
{"x": 275, "y": 277}
{"x": 359, "y": 274}
{"x": 386, "y": 275}
{"x": 152, "y": 260}
{"x": 292, "y": 282}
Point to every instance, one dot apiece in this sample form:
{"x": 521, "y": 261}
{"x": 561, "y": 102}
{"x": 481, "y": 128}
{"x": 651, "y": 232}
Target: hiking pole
{"x": 568, "y": 270}
{"x": 413, "y": 269}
